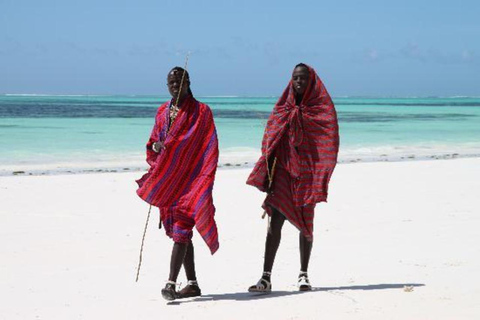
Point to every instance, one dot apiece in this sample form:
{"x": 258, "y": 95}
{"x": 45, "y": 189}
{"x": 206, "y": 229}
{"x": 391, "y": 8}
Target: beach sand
{"x": 396, "y": 240}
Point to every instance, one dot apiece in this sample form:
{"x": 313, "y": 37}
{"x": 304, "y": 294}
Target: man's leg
{"x": 305, "y": 251}
{"x": 271, "y": 247}
{"x": 189, "y": 263}
{"x": 178, "y": 255}
{"x": 191, "y": 289}
{"x": 273, "y": 240}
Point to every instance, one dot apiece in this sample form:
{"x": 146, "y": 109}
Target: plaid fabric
{"x": 305, "y": 140}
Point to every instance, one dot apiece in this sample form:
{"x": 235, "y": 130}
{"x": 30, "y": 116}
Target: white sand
{"x": 69, "y": 248}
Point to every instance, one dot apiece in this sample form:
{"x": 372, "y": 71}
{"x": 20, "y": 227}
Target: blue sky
{"x": 373, "y": 48}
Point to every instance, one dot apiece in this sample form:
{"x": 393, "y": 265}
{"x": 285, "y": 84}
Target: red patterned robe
{"x": 304, "y": 139}
{"x": 180, "y": 179}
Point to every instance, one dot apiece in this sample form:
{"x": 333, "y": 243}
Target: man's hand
{"x": 157, "y": 146}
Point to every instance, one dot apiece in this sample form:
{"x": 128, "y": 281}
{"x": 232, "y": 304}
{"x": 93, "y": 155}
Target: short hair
{"x": 301, "y": 64}
{"x": 180, "y": 69}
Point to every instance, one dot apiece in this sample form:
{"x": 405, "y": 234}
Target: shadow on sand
{"x": 247, "y": 296}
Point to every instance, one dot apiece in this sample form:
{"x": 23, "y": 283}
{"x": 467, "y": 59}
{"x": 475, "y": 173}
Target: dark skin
{"x": 174, "y": 81}
{"x": 182, "y": 253}
{"x": 300, "y": 77}
{"x": 273, "y": 242}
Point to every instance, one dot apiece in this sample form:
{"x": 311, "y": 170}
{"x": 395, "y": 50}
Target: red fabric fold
{"x": 181, "y": 176}
{"x": 305, "y": 140}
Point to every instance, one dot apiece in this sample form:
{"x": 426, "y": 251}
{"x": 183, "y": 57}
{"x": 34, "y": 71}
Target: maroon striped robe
{"x": 180, "y": 178}
{"x": 304, "y": 139}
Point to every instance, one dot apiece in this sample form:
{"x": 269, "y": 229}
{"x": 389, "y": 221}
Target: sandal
{"x": 263, "y": 285}
{"x": 303, "y": 282}
{"x": 191, "y": 290}
{"x": 169, "y": 293}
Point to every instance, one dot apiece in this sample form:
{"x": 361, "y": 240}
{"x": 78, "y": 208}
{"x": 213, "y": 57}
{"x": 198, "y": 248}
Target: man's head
{"x": 300, "y": 78}
{"x": 174, "y": 81}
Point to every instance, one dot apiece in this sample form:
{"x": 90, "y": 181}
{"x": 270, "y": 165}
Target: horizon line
{"x": 232, "y": 96}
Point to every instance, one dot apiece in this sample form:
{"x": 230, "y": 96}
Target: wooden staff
{"x": 270, "y": 177}
{"x": 183, "y": 77}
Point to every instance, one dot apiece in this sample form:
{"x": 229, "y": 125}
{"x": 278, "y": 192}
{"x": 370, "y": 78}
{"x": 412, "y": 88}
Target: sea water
{"x": 41, "y": 134}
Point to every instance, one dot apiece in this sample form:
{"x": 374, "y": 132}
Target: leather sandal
{"x": 169, "y": 293}
{"x": 303, "y": 282}
{"x": 191, "y": 290}
{"x": 263, "y": 285}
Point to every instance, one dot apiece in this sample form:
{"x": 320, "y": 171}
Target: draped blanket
{"x": 180, "y": 178}
{"x": 311, "y": 130}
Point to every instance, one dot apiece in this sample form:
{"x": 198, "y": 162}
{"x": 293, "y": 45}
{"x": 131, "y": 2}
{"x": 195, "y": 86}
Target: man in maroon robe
{"x": 299, "y": 154}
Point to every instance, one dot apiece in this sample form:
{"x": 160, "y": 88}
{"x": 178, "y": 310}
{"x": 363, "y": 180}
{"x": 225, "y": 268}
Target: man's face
{"x": 174, "y": 80}
{"x": 300, "y": 79}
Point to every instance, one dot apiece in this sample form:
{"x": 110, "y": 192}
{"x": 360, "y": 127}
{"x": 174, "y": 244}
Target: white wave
{"x": 220, "y": 97}
{"x": 239, "y": 155}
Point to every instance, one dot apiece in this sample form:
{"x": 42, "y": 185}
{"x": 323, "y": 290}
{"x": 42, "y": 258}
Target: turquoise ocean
{"x": 44, "y": 134}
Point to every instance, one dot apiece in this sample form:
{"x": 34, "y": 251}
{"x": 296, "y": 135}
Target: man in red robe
{"x": 299, "y": 154}
{"x": 182, "y": 153}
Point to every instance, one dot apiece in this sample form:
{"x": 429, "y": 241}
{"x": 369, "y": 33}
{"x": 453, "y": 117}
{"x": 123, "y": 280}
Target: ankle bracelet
{"x": 192, "y": 283}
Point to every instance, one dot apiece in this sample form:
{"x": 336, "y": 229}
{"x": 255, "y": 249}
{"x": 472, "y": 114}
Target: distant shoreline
{"x": 89, "y": 168}
{"x": 166, "y": 96}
